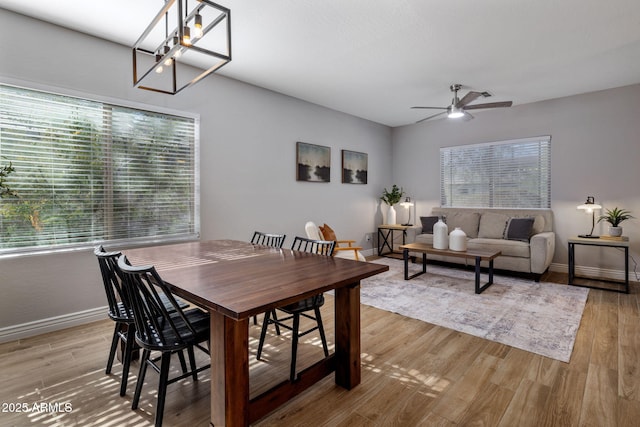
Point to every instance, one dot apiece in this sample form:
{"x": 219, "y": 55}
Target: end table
{"x": 385, "y": 237}
{"x": 606, "y": 242}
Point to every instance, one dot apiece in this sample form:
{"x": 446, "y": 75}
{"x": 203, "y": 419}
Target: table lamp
{"x": 407, "y": 204}
{"x": 590, "y": 206}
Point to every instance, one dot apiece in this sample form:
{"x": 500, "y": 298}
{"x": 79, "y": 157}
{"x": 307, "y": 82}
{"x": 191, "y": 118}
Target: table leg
{"x": 626, "y": 269}
{"x": 383, "y": 240}
{"x": 347, "y": 323}
{"x": 405, "y": 256}
{"x": 480, "y": 289}
{"x": 572, "y": 264}
{"x": 229, "y": 348}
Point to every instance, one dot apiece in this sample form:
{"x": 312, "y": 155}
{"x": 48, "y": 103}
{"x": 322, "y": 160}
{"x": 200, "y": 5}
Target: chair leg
{"x": 275, "y": 319}
{"x": 114, "y": 347}
{"x": 192, "y": 362}
{"x": 126, "y": 363}
{"x": 141, "y": 373}
{"x": 183, "y": 363}
{"x": 321, "y": 330}
{"x": 162, "y": 386}
{"x": 294, "y": 346}
{"x": 263, "y": 333}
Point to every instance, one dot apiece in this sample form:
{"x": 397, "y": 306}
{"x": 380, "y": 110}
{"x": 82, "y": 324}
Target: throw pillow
{"x": 327, "y": 233}
{"x": 427, "y": 223}
{"x": 519, "y": 229}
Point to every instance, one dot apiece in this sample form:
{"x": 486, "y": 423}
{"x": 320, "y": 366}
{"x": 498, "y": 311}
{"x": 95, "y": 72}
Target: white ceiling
{"x": 376, "y": 58}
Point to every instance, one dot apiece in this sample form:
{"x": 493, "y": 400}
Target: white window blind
{"x": 506, "y": 174}
{"x": 88, "y": 171}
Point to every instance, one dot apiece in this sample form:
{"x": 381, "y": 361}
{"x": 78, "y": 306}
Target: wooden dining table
{"x": 236, "y": 280}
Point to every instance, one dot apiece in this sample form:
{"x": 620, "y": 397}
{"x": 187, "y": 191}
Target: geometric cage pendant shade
{"x": 182, "y": 46}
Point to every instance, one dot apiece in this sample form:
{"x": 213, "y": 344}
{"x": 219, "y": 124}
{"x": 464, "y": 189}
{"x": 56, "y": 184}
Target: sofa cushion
{"x": 427, "y": 223}
{"x": 519, "y": 229}
{"x": 467, "y": 221}
{"x": 492, "y": 225}
{"x": 511, "y": 248}
{"x": 424, "y": 238}
{"x": 538, "y": 225}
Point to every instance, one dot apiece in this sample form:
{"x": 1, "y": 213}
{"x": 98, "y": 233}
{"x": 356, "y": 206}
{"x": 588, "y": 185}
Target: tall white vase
{"x": 440, "y": 235}
{"x": 391, "y": 215}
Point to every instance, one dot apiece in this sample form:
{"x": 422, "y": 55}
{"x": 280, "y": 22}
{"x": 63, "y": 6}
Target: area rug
{"x": 541, "y": 318}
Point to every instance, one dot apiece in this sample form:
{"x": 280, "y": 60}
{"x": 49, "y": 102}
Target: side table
{"x": 386, "y": 237}
{"x": 606, "y": 242}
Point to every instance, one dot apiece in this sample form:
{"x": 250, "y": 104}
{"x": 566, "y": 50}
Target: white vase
{"x": 391, "y": 215}
{"x": 615, "y": 231}
{"x": 458, "y": 240}
{"x": 440, "y": 235}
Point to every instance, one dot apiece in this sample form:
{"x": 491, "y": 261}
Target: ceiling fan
{"x": 459, "y": 107}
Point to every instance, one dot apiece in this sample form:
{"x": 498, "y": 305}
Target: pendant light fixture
{"x": 181, "y": 46}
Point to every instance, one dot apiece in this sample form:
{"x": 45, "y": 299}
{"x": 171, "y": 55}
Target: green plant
{"x": 5, "y": 171}
{"x": 393, "y": 197}
{"x": 615, "y": 216}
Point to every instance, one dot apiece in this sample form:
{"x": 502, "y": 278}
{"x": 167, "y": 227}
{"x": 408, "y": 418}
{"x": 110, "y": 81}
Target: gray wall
{"x": 595, "y": 145}
{"x": 248, "y": 178}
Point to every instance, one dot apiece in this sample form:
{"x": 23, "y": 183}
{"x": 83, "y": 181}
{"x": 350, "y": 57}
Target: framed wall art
{"x": 354, "y": 167}
{"x": 313, "y": 162}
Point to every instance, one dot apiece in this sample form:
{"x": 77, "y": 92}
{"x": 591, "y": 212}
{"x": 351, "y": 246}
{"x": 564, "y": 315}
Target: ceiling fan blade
{"x": 430, "y": 117}
{"x": 431, "y": 108}
{"x": 470, "y": 97}
{"x": 489, "y": 105}
{"x": 467, "y": 116}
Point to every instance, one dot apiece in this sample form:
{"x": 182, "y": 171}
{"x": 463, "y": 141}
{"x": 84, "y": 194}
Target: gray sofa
{"x": 527, "y": 242}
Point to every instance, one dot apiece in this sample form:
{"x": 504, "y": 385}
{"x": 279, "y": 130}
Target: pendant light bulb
{"x": 169, "y": 61}
{"x": 198, "y": 26}
{"x": 186, "y": 36}
{"x": 178, "y": 53}
{"x": 159, "y": 68}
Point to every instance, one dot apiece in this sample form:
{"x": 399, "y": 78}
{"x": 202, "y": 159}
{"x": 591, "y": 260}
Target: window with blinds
{"x": 506, "y": 174}
{"x": 89, "y": 172}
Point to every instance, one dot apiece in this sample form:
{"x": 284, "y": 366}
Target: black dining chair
{"x": 119, "y": 311}
{"x": 268, "y": 239}
{"x": 162, "y": 330}
{"x": 300, "y": 308}
{"x": 275, "y": 241}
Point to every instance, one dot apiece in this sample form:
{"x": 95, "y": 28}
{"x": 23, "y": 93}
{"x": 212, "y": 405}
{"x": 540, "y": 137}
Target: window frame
{"x": 487, "y": 173}
{"x": 127, "y": 104}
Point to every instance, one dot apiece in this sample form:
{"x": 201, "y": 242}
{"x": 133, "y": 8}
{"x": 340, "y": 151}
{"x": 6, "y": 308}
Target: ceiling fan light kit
{"x": 455, "y": 112}
{"x": 179, "y": 43}
{"x": 459, "y": 107}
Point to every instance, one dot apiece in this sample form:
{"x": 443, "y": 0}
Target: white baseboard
{"x": 37, "y": 327}
{"x": 369, "y": 252}
{"x": 592, "y": 272}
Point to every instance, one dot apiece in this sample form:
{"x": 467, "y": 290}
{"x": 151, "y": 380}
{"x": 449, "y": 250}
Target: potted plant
{"x": 391, "y": 198}
{"x": 614, "y": 217}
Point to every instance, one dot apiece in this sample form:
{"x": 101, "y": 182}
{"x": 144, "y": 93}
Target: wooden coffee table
{"x": 478, "y": 255}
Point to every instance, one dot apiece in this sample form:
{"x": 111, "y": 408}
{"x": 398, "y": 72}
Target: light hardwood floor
{"x": 413, "y": 374}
